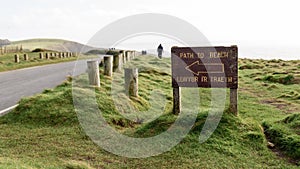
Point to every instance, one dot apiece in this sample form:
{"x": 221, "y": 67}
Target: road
{"x": 29, "y": 81}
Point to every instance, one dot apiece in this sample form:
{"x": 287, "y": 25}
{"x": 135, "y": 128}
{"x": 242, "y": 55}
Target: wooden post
{"x": 17, "y": 59}
{"x": 131, "y": 82}
{"x": 233, "y": 101}
{"x": 93, "y": 71}
{"x": 26, "y": 57}
{"x": 124, "y": 57}
{"x": 127, "y": 56}
{"x": 117, "y": 64}
{"x": 41, "y": 55}
{"x": 176, "y": 100}
{"x": 120, "y": 60}
{"x": 108, "y": 65}
{"x": 47, "y": 55}
{"x": 132, "y": 54}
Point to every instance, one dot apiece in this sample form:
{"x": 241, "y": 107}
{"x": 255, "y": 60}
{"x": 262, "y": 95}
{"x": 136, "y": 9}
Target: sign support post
{"x": 176, "y": 100}
{"x": 233, "y": 101}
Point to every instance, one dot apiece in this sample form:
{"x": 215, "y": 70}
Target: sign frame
{"x": 205, "y": 67}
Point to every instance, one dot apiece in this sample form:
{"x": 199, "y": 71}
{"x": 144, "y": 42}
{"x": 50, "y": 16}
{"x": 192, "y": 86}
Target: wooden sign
{"x": 207, "y": 67}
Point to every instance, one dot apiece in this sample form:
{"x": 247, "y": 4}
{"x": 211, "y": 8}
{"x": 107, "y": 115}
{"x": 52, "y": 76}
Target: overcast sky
{"x": 247, "y": 24}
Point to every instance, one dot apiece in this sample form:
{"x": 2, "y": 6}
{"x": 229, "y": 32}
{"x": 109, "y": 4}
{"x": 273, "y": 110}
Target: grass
{"x": 44, "y": 132}
{"x": 276, "y": 85}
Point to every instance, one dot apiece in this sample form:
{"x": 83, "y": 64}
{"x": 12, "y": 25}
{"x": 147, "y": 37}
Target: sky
{"x": 260, "y": 28}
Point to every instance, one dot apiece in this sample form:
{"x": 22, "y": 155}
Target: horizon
{"x": 256, "y": 27}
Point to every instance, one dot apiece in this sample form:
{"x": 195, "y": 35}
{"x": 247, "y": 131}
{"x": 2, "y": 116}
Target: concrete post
{"x": 132, "y": 55}
{"x": 41, "y": 56}
{"x": 124, "y": 57}
{"x": 131, "y": 82}
{"x": 47, "y": 55}
{"x": 117, "y": 63}
{"x": 26, "y": 57}
{"x": 127, "y": 56}
{"x": 108, "y": 65}
{"x": 17, "y": 59}
{"x": 93, "y": 72}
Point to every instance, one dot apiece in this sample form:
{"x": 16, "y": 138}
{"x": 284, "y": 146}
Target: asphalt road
{"x": 26, "y": 82}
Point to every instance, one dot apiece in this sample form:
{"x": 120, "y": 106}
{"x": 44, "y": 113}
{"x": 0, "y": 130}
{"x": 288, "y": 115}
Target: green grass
{"x": 275, "y": 85}
{"x": 44, "y": 132}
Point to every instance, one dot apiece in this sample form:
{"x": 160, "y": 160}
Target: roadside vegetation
{"x": 44, "y": 132}
{"x": 32, "y": 47}
{"x": 7, "y": 61}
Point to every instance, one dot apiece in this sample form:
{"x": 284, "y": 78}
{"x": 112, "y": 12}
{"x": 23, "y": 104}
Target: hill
{"x": 44, "y": 131}
{"x": 52, "y": 44}
{"x": 4, "y": 42}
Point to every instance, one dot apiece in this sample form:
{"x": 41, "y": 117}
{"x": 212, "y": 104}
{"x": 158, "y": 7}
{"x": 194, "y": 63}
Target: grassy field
{"x": 44, "y": 132}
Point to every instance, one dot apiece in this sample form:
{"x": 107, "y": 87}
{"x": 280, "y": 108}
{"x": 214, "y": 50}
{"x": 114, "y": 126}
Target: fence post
{"x": 93, "y": 71}
{"x": 124, "y": 57}
{"x": 127, "y": 56}
{"x": 26, "y": 57}
{"x": 17, "y": 59}
{"x": 108, "y": 65}
{"x": 47, "y": 55}
{"x": 132, "y": 54}
{"x": 117, "y": 63}
{"x": 41, "y": 55}
{"x": 131, "y": 82}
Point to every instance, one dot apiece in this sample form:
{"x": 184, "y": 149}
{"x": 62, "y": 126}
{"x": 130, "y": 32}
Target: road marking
{"x": 2, "y": 112}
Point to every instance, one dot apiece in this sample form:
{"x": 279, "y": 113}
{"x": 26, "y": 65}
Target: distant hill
{"x": 53, "y": 45}
{"x": 4, "y": 42}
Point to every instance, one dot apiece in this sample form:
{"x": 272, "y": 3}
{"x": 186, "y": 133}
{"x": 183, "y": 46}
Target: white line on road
{"x": 2, "y": 112}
